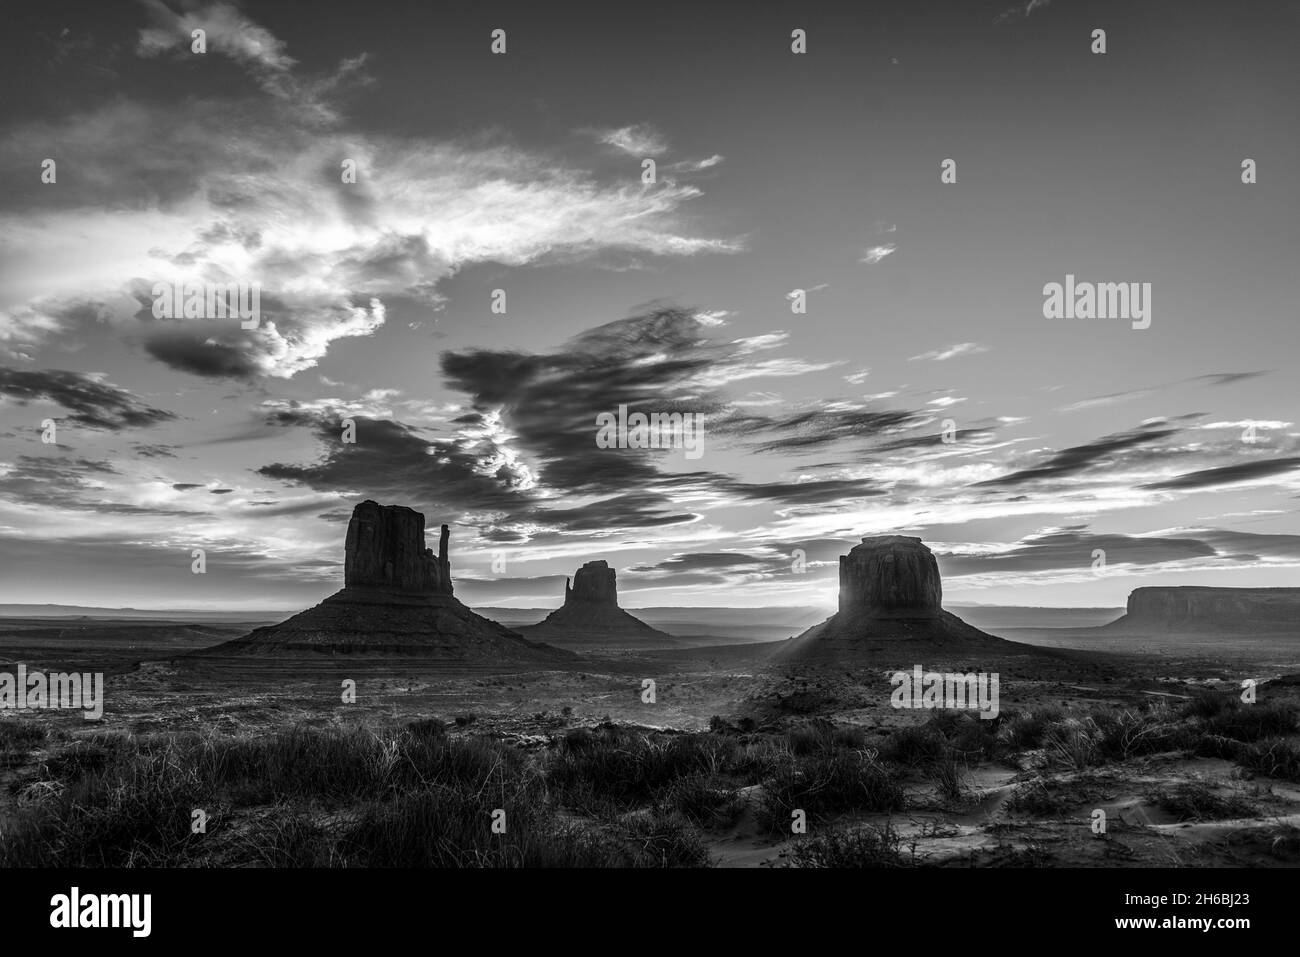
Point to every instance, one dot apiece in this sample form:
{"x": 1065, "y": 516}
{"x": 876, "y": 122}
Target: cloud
{"x": 873, "y": 254}
{"x": 1021, "y": 10}
{"x": 1114, "y": 398}
{"x": 1228, "y": 475}
{"x": 228, "y": 31}
{"x": 91, "y": 401}
{"x": 519, "y": 459}
{"x": 951, "y": 352}
{"x": 1079, "y": 458}
{"x": 695, "y": 166}
{"x": 1070, "y": 549}
{"x": 697, "y": 560}
{"x": 814, "y": 429}
{"x": 639, "y": 140}
{"x": 250, "y": 189}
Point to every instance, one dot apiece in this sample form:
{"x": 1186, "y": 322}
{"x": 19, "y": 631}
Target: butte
{"x": 591, "y": 616}
{"x": 396, "y": 600}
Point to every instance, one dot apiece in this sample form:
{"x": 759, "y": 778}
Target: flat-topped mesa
{"x": 890, "y": 575}
{"x": 1194, "y": 607}
{"x": 385, "y": 549}
{"x": 594, "y": 583}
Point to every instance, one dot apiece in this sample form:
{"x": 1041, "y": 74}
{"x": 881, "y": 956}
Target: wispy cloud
{"x": 951, "y": 352}
{"x": 252, "y": 190}
{"x": 874, "y": 254}
{"x": 1021, "y": 10}
{"x": 637, "y": 140}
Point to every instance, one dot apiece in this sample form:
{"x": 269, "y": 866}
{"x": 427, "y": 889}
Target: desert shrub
{"x": 703, "y": 799}
{"x": 1028, "y": 729}
{"x": 1275, "y": 757}
{"x": 1073, "y": 742}
{"x": 20, "y": 735}
{"x": 89, "y": 755}
{"x": 828, "y": 783}
{"x": 970, "y": 735}
{"x": 1216, "y": 746}
{"x": 824, "y": 736}
{"x": 1193, "y": 801}
{"x": 872, "y": 845}
{"x": 1207, "y": 704}
{"x": 124, "y": 802}
{"x": 625, "y": 767}
{"x": 133, "y": 813}
{"x": 914, "y": 745}
{"x": 946, "y": 773}
{"x": 443, "y": 828}
{"x": 428, "y": 728}
{"x": 1123, "y": 734}
{"x": 1243, "y": 722}
{"x": 1039, "y": 798}
{"x": 288, "y": 837}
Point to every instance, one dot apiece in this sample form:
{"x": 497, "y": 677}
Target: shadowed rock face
{"x": 385, "y": 549}
{"x": 593, "y": 583}
{"x": 891, "y": 574}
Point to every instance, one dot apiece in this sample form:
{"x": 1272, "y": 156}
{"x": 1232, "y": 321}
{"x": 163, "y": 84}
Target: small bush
{"x": 1253, "y": 722}
{"x": 1275, "y": 757}
{"x": 873, "y": 845}
{"x": 20, "y": 735}
{"x": 827, "y": 784}
{"x": 1193, "y": 801}
{"x": 704, "y": 800}
{"x": 1028, "y": 729}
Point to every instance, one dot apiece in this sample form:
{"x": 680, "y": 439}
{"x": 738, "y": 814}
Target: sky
{"x": 921, "y": 391}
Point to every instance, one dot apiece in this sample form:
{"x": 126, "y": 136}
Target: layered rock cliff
{"x": 385, "y": 549}
{"x": 890, "y": 574}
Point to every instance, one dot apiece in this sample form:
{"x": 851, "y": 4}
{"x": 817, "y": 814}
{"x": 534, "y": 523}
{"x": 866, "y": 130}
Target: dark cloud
{"x": 816, "y": 428}
{"x": 393, "y": 462}
{"x": 1228, "y": 474}
{"x": 61, "y": 482}
{"x": 1072, "y": 548}
{"x": 195, "y": 352}
{"x": 820, "y": 492}
{"x": 89, "y": 401}
{"x": 154, "y": 451}
{"x": 1071, "y": 461}
{"x": 547, "y": 404}
{"x": 1228, "y": 378}
{"x": 692, "y": 561}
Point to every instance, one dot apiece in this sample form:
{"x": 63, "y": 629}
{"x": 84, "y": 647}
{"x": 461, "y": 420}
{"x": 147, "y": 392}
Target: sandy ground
{"x": 691, "y": 686}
